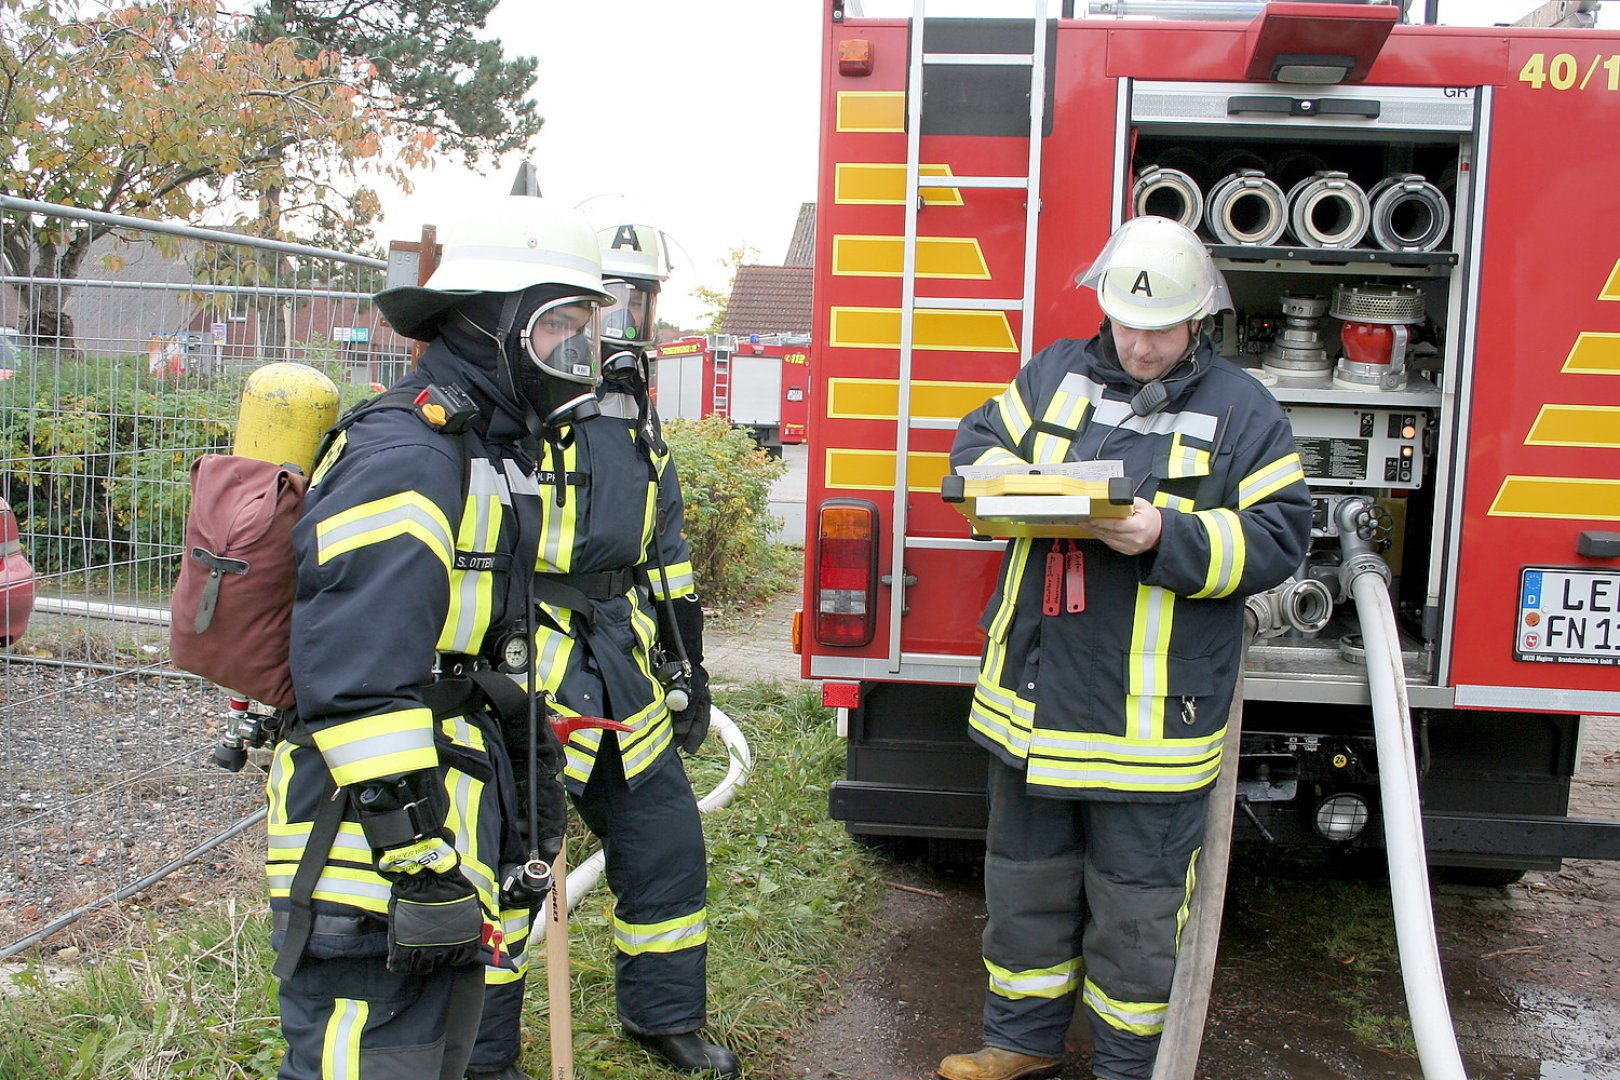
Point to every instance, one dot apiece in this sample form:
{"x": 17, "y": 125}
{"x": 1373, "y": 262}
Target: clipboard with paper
{"x": 1039, "y": 500}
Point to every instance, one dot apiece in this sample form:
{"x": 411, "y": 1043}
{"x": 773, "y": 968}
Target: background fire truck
{"x": 1416, "y": 226}
{"x": 759, "y": 382}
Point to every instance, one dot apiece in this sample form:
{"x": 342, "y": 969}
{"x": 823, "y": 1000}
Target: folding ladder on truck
{"x": 911, "y": 303}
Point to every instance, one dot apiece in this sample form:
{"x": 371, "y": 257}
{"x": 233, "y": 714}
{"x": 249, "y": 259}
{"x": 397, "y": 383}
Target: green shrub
{"x": 726, "y": 483}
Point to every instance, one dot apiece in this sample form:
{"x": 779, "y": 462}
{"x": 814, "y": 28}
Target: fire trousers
{"x": 652, "y": 838}
{"x": 1046, "y": 862}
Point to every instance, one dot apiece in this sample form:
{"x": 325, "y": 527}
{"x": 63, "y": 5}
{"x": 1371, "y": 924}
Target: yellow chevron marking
{"x": 1594, "y": 353}
{"x": 871, "y": 110}
{"x": 937, "y": 257}
{"x": 879, "y": 399}
{"x": 884, "y": 184}
{"x": 1576, "y": 425}
{"x": 1611, "y": 290}
{"x": 873, "y": 470}
{"x": 1570, "y": 497}
{"x": 945, "y": 330}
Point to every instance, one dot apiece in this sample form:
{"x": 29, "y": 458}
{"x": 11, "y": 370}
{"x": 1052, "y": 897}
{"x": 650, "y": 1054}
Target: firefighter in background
{"x": 617, "y": 609}
{"x": 390, "y": 819}
{"x": 1110, "y": 663}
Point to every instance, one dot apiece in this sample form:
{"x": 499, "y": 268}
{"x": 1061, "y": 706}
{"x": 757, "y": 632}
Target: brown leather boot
{"x": 994, "y": 1063}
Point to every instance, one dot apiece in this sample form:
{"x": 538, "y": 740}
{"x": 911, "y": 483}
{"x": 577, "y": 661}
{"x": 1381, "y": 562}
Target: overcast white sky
{"x": 699, "y": 118}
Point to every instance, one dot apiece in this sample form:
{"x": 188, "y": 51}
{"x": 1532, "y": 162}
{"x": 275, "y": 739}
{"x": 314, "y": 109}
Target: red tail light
{"x": 846, "y": 572}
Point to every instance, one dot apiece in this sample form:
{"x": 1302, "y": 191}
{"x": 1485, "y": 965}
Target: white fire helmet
{"x": 505, "y": 245}
{"x": 634, "y": 263}
{"x": 1154, "y": 273}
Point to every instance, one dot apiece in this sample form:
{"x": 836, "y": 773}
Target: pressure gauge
{"x": 514, "y": 652}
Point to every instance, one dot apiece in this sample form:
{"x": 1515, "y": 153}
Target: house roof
{"x": 802, "y": 248}
{"x": 769, "y": 300}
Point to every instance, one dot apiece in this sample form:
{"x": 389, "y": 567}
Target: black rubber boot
{"x": 505, "y": 1072}
{"x": 687, "y": 1052}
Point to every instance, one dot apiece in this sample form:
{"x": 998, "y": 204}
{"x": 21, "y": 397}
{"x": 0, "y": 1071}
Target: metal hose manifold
{"x": 1246, "y": 208}
{"x": 1168, "y": 193}
{"x": 1328, "y": 210}
{"x": 1300, "y": 604}
{"x": 1408, "y": 213}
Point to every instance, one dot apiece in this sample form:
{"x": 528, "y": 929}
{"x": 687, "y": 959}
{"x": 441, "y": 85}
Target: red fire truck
{"x": 1416, "y": 230}
{"x": 759, "y": 382}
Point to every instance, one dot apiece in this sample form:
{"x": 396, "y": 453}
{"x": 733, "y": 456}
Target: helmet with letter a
{"x": 1154, "y": 273}
{"x": 635, "y": 264}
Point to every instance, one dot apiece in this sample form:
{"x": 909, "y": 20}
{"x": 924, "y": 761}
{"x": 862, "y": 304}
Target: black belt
{"x": 600, "y": 585}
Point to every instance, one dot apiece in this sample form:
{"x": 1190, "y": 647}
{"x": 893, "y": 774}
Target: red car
{"x": 16, "y": 580}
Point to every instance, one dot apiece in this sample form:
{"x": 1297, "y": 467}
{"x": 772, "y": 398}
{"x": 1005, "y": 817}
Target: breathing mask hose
{"x": 1366, "y": 578}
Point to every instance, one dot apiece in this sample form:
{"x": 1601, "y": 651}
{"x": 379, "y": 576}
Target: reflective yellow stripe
{"x": 882, "y": 183}
{"x": 1611, "y": 288}
{"x": 1576, "y": 425}
{"x": 943, "y": 257}
{"x": 680, "y": 578}
{"x": 340, "y": 1046}
{"x": 347, "y": 885}
{"x": 1186, "y": 901}
{"x": 1165, "y": 500}
{"x": 1134, "y": 1017}
{"x": 472, "y": 591}
{"x": 1228, "y": 551}
{"x": 333, "y": 453}
{"x": 1575, "y": 498}
{"x": 671, "y": 935}
{"x": 1101, "y": 776}
{"x": 1148, "y": 672}
{"x": 1047, "y": 982}
{"x": 1065, "y": 410}
{"x": 1185, "y": 461}
{"x": 1594, "y": 353}
{"x": 383, "y": 744}
{"x": 934, "y": 329}
{"x": 879, "y": 399}
{"x": 871, "y": 110}
{"x": 873, "y": 470}
{"x": 406, "y": 514}
{"x": 1014, "y": 414}
{"x": 1269, "y": 479}
{"x": 1017, "y": 561}
{"x": 558, "y": 524}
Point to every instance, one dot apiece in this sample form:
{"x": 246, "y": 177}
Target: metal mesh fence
{"x": 113, "y": 379}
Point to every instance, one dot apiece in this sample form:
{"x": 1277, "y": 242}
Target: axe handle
{"x": 560, "y": 1006}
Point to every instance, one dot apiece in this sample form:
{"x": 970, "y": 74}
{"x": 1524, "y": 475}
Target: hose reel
{"x": 1408, "y": 213}
{"x": 1246, "y": 208}
{"x": 1328, "y": 210}
{"x": 1168, "y": 193}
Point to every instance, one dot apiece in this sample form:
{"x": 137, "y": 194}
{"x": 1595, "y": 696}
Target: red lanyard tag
{"x": 1052, "y": 592}
{"x": 1074, "y": 577}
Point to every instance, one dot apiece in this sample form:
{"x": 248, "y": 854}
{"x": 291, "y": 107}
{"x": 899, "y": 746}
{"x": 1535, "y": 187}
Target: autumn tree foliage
{"x": 165, "y": 108}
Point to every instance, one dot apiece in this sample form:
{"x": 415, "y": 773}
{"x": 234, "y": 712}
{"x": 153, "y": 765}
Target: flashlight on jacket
{"x": 525, "y": 884}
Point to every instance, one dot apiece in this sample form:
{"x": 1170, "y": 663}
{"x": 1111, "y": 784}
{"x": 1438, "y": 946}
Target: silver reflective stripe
{"x": 647, "y": 750}
{"x": 677, "y": 937}
{"x": 519, "y": 482}
{"x": 339, "y": 534}
{"x": 1118, "y": 413}
{"x": 344, "y": 1028}
{"x": 1223, "y": 524}
{"x": 1059, "y": 775}
{"x": 484, "y": 485}
{"x": 345, "y": 754}
{"x": 1283, "y": 466}
{"x": 1088, "y": 747}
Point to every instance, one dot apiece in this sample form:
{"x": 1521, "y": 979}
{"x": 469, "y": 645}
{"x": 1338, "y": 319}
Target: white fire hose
{"x": 584, "y": 877}
{"x": 1366, "y": 578}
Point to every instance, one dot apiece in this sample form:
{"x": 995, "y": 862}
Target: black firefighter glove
{"x": 692, "y": 722}
{"x": 434, "y": 917}
{"x": 551, "y": 799}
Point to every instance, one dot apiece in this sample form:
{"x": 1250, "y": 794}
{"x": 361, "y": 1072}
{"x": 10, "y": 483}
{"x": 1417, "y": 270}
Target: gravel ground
{"x": 104, "y": 779}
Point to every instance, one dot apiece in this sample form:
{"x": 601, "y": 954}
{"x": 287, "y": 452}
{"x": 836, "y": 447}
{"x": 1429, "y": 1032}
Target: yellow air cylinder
{"x": 286, "y": 408}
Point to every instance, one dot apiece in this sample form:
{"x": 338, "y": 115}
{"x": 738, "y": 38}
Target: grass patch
{"x": 190, "y": 995}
